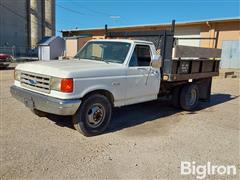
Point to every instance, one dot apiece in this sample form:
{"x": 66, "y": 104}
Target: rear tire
{"x": 93, "y": 116}
{"x": 189, "y": 97}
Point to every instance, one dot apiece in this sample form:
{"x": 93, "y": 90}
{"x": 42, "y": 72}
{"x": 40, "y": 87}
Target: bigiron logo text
{"x": 208, "y": 169}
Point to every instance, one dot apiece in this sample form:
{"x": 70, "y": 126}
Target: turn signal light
{"x": 17, "y": 75}
{"x": 67, "y": 85}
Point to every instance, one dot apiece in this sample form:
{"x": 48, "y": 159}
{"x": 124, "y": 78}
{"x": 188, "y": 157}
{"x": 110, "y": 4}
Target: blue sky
{"x": 72, "y": 14}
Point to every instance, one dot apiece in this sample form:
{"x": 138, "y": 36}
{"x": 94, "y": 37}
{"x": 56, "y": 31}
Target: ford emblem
{"x": 33, "y": 82}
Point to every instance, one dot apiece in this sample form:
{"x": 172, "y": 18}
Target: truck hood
{"x": 73, "y": 68}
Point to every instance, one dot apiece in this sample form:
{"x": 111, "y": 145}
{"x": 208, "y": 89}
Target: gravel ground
{"x": 144, "y": 141}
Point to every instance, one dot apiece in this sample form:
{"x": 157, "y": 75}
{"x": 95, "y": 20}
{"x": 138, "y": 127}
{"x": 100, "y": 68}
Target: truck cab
{"x": 139, "y": 81}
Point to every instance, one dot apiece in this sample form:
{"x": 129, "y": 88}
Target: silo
{"x": 35, "y": 29}
{"x": 49, "y": 17}
{"x": 13, "y": 26}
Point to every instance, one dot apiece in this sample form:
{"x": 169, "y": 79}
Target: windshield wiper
{"x": 99, "y": 59}
{"x": 110, "y": 60}
{"x": 96, "y": 58}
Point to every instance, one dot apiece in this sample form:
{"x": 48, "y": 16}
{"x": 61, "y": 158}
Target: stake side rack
{"x": 179, "y": 62}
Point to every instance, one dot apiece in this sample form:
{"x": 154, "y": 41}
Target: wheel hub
{"x": 95, "y": 115}
{"x": 192, "y": 97}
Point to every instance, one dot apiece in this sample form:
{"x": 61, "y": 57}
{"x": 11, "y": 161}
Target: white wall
{"x": 191, "y": 32}
{"x": 44, "y": 53}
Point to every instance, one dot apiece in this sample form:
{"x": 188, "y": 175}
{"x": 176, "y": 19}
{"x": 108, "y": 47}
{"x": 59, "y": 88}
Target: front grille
{"x": 35, "y": 81}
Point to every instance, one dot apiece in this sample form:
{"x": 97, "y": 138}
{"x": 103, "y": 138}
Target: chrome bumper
{"x": 44, "y": 103}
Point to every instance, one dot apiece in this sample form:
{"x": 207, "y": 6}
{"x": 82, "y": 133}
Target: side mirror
{"x": 156, "y": 61}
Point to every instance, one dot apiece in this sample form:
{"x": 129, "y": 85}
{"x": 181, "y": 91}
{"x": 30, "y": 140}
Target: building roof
{"x": 46, "y": 40}
{"x": 162, "y": 24}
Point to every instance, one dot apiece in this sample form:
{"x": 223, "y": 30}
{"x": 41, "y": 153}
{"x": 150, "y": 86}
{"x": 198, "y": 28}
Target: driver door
{"x": 143, "y": 81}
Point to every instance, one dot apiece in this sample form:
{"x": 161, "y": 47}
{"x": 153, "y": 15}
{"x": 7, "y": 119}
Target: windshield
{"x": 115, "y": 52}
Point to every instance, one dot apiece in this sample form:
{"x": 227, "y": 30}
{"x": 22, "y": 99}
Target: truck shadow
{"x": 138, "y": 114}
{"x": 133, "y": 115}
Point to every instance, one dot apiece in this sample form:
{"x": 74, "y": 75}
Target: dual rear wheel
{"x": 186, "y": 97}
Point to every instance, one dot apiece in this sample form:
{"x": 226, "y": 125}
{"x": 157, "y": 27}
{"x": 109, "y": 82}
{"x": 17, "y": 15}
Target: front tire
{"x": 189, "y": 97}
{"x": 93, "y": 116}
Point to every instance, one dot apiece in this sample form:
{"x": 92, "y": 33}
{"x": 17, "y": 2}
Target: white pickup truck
{"x": 104, "y": 74}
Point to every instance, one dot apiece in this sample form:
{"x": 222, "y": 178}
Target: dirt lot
{"x": 144, "y": 141}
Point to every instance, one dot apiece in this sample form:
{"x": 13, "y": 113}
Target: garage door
{"x": 188, "y": 33}
{"x": 230, "y": 54}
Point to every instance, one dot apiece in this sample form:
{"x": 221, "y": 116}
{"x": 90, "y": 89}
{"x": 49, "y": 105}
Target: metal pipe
{"x": 173, "y": 26}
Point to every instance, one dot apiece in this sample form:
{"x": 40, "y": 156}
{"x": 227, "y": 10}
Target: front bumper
{"x": 45, "y": 103}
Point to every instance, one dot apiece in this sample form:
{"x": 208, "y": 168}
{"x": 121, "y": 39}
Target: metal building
{"x": 23, "y": 23}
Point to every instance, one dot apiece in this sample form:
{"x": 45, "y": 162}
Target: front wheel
{"x": 93, "y": 115}
{"x": 189, "y": 97}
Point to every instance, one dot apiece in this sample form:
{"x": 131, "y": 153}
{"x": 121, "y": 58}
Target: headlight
{"x": 17, "y": 75}
{"x": 55, "y": 84}
{"x": 63, "y": 85}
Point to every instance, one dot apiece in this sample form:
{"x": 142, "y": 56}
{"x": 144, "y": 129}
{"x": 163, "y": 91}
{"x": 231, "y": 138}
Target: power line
{"x": 9, "y": 9}
{"x": 98, "y": 12}
{"x": 81, "y": 13}
{"x": 89, "y": 9}
{"x": 71, "y": 10}
{"x": 92, "y": 10}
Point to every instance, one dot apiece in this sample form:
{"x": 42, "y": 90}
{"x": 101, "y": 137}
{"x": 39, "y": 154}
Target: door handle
{"x": 142, "y": 69}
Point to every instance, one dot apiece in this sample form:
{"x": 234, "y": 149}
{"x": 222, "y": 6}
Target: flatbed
{"x": 180, "y": 64}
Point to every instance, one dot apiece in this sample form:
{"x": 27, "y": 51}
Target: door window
{"x": 141, "y": 56}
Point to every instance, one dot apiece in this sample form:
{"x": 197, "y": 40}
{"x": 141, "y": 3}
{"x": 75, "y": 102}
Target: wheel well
{"x": 102, "y": 92}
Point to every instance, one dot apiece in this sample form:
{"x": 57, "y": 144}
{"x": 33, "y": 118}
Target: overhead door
{"x": 230, "y": 54}
{"x": 188, "y": 32}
